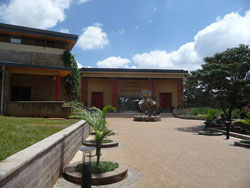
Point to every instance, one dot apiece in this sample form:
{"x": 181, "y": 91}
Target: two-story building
{"x": 32, "y": 71}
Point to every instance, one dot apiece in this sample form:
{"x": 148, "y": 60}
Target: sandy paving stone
{"x": 170, "y": 154}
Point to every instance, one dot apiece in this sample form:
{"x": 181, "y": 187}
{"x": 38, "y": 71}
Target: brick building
{"x": 121, "y": 87}
{"x": 32, "y": 71}
{"x": 32, "y": 77}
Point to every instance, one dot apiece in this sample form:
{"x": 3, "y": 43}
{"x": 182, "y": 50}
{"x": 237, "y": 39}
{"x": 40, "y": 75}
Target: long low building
{"x": 122, "y": 87}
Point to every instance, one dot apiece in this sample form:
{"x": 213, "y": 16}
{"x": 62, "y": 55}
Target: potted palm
{"x": 104, "y": 172}
{"x": 210, "y": 117}
{"x": 97, "y": 121}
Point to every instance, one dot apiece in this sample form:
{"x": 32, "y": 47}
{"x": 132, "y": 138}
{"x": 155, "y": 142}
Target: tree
{"x": 194, "y": 95}
{"x": 225, "y": 78}
{"x": 73, "y": 80}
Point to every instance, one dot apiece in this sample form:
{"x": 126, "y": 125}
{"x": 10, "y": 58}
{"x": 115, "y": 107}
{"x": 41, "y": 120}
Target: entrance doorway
{"x": 166, "y": 102}
{"x": 97, "y": 99}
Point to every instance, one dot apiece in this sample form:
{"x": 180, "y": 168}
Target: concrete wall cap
{"x": 16, "y": 161}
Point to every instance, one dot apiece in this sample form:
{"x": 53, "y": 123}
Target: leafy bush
{"x": 211, "y": 115}
{"x": 104, "y": 141}
{"x": 245, "y": 141}
{"x": 73, "y": 80}
{"x": 102, "y": 168}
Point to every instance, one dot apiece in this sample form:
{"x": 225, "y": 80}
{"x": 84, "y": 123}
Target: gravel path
{"x": 170, "y": 154}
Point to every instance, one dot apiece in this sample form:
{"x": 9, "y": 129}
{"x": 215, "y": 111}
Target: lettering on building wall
{"x": 130, "y": 87}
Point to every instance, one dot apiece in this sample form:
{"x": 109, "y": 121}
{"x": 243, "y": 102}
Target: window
{"x": 40, "y": 42}
{"x": 50, "y": 44}
{"x": 60, "y": 45}
{"x": 15, "y": 40}
{"x": 4, "y": 38}
{"x": 20, "y": 93}
{"x": 29, "y": 41}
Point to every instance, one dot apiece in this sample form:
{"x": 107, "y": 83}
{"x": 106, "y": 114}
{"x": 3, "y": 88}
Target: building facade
{"x": 121, "y": 87}
{"x": 32, "y": 71}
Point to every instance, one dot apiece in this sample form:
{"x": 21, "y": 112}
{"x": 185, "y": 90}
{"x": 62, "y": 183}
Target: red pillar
{"x": 180, "y": 92}
{"x": 58, "y": 88}
{"x": 85, "y": 91}
{"x": 152, "y": 87}
{"x": 115, "y": 93}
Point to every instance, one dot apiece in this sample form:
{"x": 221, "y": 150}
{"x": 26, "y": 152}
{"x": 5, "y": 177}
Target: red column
{"x": 180, "y": 92}
{"x": 58, "y": 88}
{"x": 152, "y": 87}
{"x": 85, "y": 91}
{"x": 115, "y": 93}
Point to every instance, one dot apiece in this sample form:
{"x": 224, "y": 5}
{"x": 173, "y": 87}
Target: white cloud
{"x": 228, "y": 32}
{"x": 114, "y": 62}
{"x": 83, "y": 1}
{"x": 79, "y": 65}
{"x": 41, "y": 14}
{"x": 64, "y": 30}
{"x": 93, "y": 37}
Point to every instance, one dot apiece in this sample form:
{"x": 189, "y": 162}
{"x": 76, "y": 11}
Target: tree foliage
{"x": 223, "y": 79}
{"x": 73, "y": 79}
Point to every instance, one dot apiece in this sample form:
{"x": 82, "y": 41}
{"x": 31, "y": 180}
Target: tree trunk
{"x": 98, "y": 153}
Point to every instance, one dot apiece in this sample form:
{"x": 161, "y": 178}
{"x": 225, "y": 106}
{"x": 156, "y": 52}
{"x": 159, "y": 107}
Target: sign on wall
{"x": 132, "y": 87}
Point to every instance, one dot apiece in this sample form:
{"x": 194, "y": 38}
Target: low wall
{"x": 180, "y": 111}
{"x": 50, "y": 109}
{"x": 42, "y": 163}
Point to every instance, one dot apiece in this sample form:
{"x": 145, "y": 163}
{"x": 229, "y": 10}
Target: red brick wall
{"x": 43, "y": 88}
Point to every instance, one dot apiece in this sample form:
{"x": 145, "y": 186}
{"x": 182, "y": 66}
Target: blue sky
{"x": 168, "y": 34}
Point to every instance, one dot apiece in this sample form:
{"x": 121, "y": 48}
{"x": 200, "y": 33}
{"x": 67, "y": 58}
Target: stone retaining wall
{"x": 42, "y": 163}
{"x": 49, "y": 109}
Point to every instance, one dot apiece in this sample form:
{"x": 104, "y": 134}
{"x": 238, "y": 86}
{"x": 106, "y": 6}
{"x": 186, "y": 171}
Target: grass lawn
{"x": 18, "y": 133}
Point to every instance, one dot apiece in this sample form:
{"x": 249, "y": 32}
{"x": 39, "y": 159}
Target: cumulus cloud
{"x": 64, "y": 30}
{"x": 93, "y": 37}
{"x": 83, "y": 1}
{"x": 41, "y": 14}
{"x": 228, "y": 32}
{"x": 114, "y": 62}
{"x": 79, "y": 65}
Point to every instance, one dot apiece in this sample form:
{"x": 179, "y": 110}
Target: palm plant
{"x": 210, "y": 116}
{"x": 97, "y": 121}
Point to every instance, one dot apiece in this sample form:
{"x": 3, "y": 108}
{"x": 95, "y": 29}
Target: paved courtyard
{"x": 170, "y": 154}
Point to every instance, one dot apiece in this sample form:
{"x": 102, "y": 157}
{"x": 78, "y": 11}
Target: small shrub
{"x": 245, "y": 141}
{"x": 103, "y": 142}
{"x": 103, "y": 167}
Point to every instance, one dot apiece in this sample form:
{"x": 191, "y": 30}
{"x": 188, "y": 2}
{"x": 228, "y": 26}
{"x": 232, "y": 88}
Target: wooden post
{"x": 180, "y": 92}
{"x": 85, "y": 91}
{"x": 115, "y": 93}
{"x": 58, "y": 88}
{"x": 152, "y": 87}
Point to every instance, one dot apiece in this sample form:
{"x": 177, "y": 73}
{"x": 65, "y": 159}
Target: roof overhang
{"x": 21, "y": 68}
{"x": 38, "y": 33}
{"x": 131, "y": 73}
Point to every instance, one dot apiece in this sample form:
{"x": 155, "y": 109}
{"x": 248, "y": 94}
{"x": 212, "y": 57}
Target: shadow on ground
{"x": 193, "y": 129}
